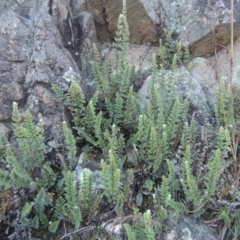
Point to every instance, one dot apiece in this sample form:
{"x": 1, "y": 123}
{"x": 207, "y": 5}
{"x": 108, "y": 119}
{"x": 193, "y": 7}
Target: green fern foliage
{"x": 72, "y": 207}
{"x": 214, "y": 173}
{"x": 30, "y": 139}
{"x": 142, "y": 228}
{"x": 88, "y": 197}
{"x": 70, "y": 191}
{"x": 53, "y": 226}
{"x": 116, "y": 144}
{"x": 19, "y": 176}
{"x": 40, "y": 200}
{"x": 150, "y": 235}
{"x": 188, "y": 181}
{"x": 115, "y": 102}
{"x": 160, "y": 129}
{"x": 111, "y": 176}
{"x": 59, "y": 208}
{"x": 6, "y": 180}
{"x": 174, "y": 185}
{"x": 70, "y": 145}
{"x": 172, "y": 49}
{"x": 141, "y": 145}
{"x": 76, "y": 102}
{"x": 59, "y": 92}
{"x": 223, "y": 109}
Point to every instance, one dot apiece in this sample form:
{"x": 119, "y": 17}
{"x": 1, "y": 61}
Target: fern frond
{"x": 117, "y": 144}
{"x": 70, "y": 145}
{"x": 59, "y": 207}
{"x": 164, "y": 192}
{"x": 193, "y": 193}
{"x": 97, "y": 72}
{"x": 173, "y": 122}
{"x": 153, "y": 144}
{"x": 224, "y": 215}
{"x": 59, "y": 92}
{"x": 40, "y": 200}
{"x": 111, "y": 177}
{"x": 214, "y": 173}
{"x": 64, "y": 167}
{"x": 179, "y": 207}
{"x": 173, "y": 183}
{"x": 53, "y": 226}
{"x": 70, "y": 191}
{"x": 150, "y": 235}
{"x": 17, "y": 127}
{"x": 49, "y": 176}
{"x": 86, "y": 190}
{"x": 90, "y": 117}
{"x": 26, "y": 210}
{"x": 188, "y": 181}
{"x": 76, "y": 103}
{"x": 162, "y": 154}
{"x": 20, "y": 176}
{"x": 130, "y": 232}
{"x": 77, "y": 217}
{"x": 5, "y": 180}
{"x": 139, "y": 226}
{"x": 43, "y": 219}
{"x": 35, "y": 222}
{"x": 118, "y": 109}
{"x": 127, "y": 80}
{"x": 162, "y": 214}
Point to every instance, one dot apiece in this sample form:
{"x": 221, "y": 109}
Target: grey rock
{"x": 106, "y": 14}
{"x": 4, "y": 131}
{"x": 221, "y": 62}
{"x": 33, "y": 56}
{"x": 205, "y": 25}
{"x": 191, "y": 229}
{"x": 189, "y": 85}
{"x": 89, "y": 37}
{"x": 204, "y": 73}
{"x": 139, "y": 56}
{"x": 15, "y": 40}
{"x": 24, "y": 8}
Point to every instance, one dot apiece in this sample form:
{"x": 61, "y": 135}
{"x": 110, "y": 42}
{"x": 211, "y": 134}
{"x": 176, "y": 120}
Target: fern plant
{"x": 115, "y": 188}
{"x": 227, "y": 117}
{"x": 30, "y": 140}
{"x": 71, "y": 206}
{"x": 115, "y": 102}
{"x": 172, "y": 49}
{"x": 70, "y": 200}
{"x": 143, "y": 228}
{"x": 160, "y": 129}
{"x": 190, "y": 183}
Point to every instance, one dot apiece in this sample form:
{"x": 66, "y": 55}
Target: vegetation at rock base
{"x": 157, "y": 161}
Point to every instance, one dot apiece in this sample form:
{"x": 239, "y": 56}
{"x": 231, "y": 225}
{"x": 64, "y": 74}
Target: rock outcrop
{"x": 205, "y": 25}
{"x": 37, "y": 46}
{"x": 40, "y": 40}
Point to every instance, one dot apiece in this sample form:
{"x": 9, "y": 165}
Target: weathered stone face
{"x": 15, "y": 41}
{"x": 106, "y": 14}
{"x": 203, "y": 24}
{"x": 221, "y": 62}
{"x": 32, "y": 58}
{"x": 24, "y": 8}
